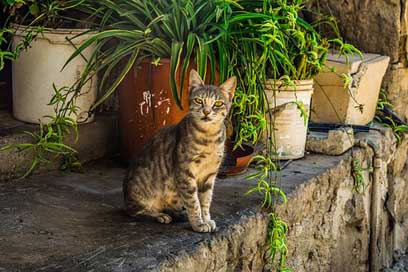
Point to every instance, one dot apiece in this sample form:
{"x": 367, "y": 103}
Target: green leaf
{"x": 34, "y": 9}
{"x": 176, "y": 50}
{"x": 118, "y": 80}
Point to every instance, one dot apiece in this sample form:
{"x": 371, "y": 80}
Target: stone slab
{"x": 335, "y": 142}
{"x": 74, "y": 222}
{"x": 58, "y": 221}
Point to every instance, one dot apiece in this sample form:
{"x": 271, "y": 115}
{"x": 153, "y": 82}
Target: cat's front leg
{"x": 188, "y": 191}
{"x": 205, "y": 191}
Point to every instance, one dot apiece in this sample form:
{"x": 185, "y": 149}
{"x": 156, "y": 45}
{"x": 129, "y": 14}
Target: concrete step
{"x": 74, "y": 222}
{"x": 96, "y": 140}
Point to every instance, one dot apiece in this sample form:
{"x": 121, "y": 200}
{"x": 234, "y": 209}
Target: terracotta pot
{"x": 147, "y": 104}
{"x": 235, "y": 161}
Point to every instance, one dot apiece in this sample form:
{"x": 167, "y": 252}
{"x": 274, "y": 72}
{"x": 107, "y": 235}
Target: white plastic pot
{"x": 290, "y": 129}
{"x": 37, "y": 68}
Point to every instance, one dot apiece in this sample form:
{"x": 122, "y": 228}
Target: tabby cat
{"x": 178, "y": 166}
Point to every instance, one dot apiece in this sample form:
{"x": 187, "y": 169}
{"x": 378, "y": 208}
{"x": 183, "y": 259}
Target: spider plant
{"x": 271, "y": 39}
{"x": 182, "y": 30}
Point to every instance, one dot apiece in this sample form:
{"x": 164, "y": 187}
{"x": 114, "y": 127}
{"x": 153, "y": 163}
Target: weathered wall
{"x": 329, "y": 224}
{"x": 377, "y": 26}
{"x": 397, "y": 199}
{"x": 241, "y": 248}
{"x": 331, "y": 227}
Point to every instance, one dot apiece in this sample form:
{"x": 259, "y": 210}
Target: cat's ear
{"x": 228, "y": 87}
{"x": 195, "y": 80}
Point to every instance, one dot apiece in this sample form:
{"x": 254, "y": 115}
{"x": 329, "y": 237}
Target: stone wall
{"x": 377, "y": 27}
{"x": 333, "y": 228}
{"x": 330, "y": 229}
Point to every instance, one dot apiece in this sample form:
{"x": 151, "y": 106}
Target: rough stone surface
{"x": 400, "y": 266}
{"x": 372, "y": 26}
{"x": 377, "y": 27}
{"x": 396, "y": 84}
{"x": 335, "y": 142}
{"x": 74, "y": 222}
{"x": 330, "y": 230}
{"x": 397, "y": 199}
{"x": 54, "y": 221}
{"x": 96, "y": 139}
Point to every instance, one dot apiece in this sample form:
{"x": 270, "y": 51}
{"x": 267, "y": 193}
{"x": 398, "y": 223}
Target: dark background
{"x": 5, "y": 77}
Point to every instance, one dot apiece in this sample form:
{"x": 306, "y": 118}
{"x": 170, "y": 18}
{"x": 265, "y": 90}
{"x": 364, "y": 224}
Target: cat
{"x": 178, "y": 166}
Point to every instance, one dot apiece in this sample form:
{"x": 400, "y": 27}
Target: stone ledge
{"x": 74, "y": 222}
{"x": 96, "y": 140}
{"x": 56, "y": 221}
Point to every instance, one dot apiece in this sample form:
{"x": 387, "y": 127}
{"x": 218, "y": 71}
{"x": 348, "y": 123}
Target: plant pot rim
{"x": 63, "y": 36}
{"x": 20, "y": 29}
{"x": 301, "y": 85}
{"x": 296, "y": 81}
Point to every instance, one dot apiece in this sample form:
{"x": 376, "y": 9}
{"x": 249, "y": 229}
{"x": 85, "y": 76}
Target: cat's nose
{"x": 206, "y": 111}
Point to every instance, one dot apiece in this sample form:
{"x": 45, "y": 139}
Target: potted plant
{"x": 152, "y": 46}
{"x": 44, "y": 34}
{"x": 58, "y": 101}
{"x": 279, "y": 53}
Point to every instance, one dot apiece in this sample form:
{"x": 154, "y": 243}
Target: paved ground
{"x": 399, "y": 266}
{"x": 74, "y": 222}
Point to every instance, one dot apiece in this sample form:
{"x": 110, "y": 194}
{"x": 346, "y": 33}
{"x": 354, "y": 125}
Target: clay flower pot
{"x": 147, "y": 104}
{"x": 235, "y": 161}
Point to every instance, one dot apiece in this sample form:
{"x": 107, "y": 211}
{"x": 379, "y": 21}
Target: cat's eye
{"x": 218, "y": 103}
{"x": 198, "y": 101}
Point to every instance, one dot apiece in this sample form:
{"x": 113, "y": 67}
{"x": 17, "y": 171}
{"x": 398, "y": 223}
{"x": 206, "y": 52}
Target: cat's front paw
{"x": 208, "y": 226}
{"x": 212, "y": 224}
{"x": 164, "y": 218}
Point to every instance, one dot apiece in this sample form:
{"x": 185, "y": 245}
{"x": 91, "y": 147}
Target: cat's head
{"x": 209, "y": 103}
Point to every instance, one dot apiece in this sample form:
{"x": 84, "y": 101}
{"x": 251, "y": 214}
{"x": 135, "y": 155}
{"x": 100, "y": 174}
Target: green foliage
{"x": 10, "y": 53}
{"x": 277, "y": 230}
{"x": 383, "y": 101}
{"x": 302, "y": 109}
{"x": 271, "y": 40}
{"x": 31, "y": 17}
{"x": 46, "y": 13}
{"x": 359, "y": 184}
{"x": 48, "y": 143}
{"x": 397, "y": 129}
{"x": 266, "y": 174}
{"x": 182, "y": 30}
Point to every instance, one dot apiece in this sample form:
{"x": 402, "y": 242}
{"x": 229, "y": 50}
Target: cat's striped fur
{"x": 178, "y": 166}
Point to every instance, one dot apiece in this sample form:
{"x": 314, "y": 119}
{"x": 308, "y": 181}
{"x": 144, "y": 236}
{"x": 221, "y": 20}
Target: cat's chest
{"x": 208, "y": 158}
